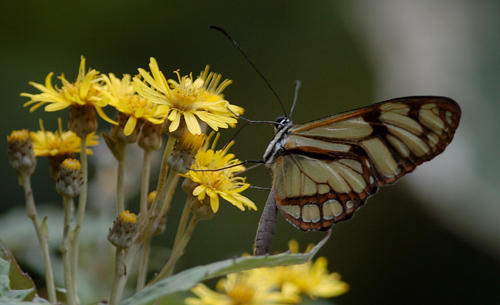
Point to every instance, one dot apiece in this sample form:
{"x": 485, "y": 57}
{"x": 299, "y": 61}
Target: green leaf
{"x": 18, "y": 279}
{"x": 187, "y": 279}
{"x": 6, "y": 293}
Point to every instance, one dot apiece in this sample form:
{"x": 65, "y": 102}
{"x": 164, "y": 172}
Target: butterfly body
{"x": 324, "y": 170}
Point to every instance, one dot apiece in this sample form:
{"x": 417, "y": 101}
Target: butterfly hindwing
{"x": 314, "y": 194}
{"x": 329, "y": 167}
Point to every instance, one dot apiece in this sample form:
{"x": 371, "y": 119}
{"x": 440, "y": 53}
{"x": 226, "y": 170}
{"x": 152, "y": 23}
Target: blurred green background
{"x": 431, "y": 239}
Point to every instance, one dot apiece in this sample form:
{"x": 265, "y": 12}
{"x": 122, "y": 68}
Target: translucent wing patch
{"x": 314, "y": 194}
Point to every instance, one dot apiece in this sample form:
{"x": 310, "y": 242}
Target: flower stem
{"x": 167, "y": 194}
{"x": 157, "y": 213}
{"x": 42, "y": 236}
{"x": 177, "y": 251}
{"x": 123, "y": 262}
{"x": 120, "y": 179}
{"x": 120, "y": 273}
{"x": 183, "y": 221}
{"x": 146, "y": 170}
{"x": 143, "y": 266}
{"x": 163, "y": 170}
{"x": 66, "y": 250}
{"x": 82, "y": 202}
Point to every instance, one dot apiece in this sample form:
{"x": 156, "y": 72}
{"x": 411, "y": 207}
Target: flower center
{"x": 241, "y": 294}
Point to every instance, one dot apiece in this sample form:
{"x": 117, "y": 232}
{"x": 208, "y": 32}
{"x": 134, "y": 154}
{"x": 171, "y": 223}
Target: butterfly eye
{"x": 281, "y": 122}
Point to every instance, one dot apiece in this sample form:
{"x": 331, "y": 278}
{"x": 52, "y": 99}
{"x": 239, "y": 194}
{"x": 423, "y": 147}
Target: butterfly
{"x": 325, "y": 170}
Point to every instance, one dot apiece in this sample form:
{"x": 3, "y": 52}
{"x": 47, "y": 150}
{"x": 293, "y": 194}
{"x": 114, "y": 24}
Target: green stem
{"x": 42, "y": 236}
{"x": 120, "y": 273}
{"x": 177, "y": 251}
{"x": 143, "y": 266}
{"x": 120, "y": 179}
{"x": 66, "y": 250}
{"x": 149, "y": 222}
{"x": 183, "y": 221}
{"x": 163, "y": 171}
{"x": 146, "y": 170}
{"x": 82, "y": 202}
{"x": 165, "y": 199}
{"x": 123, "y": 262}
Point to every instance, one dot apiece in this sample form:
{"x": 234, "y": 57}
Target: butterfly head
{"x": 281, "y": 130}
{"x": 282, "y": 122}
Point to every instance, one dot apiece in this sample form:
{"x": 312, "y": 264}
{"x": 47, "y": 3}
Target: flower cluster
{"x": 274, "y": 285}
{"x": 214, "y": 173}
{"x": 59, "y": 143}
{"x": 190, "y": 101}
{"x": 148, "y": 107}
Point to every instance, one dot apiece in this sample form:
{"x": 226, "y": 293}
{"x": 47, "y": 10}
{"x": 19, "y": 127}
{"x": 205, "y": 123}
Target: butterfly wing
{"x": 330, "y": 166}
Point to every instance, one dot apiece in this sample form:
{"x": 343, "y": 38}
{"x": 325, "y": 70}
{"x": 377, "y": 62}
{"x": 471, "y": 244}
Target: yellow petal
{"x": 56, "y": 107}
{"x": 192, "y": 124}
{"x": 175, "y": 123}
{"x": 139, "y": 112}
{"x": 130, "y": 126}
{"x": 103, "y": 115}
{"x": 234, "y": 202}
{"x": 214, "y": 203}
{"x": 199, "y": 190}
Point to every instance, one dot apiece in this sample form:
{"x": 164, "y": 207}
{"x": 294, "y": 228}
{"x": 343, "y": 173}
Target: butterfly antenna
{"x": 259, "y": 188}
{"x": 252, "y": 121}
{"x": 256, "y": 163}
{"x": 235, "y": 134}
{"x": 296, "y": 97}
{"x": 250, "y": 62}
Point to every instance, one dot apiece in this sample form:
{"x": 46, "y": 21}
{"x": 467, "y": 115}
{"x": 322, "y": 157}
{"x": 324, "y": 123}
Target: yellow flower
{"x": 86, "y": 90}
{"x": 239, "y": 289}
{"x": 213, "y": 172}
{"x": 189, "y": 100}
{"x": 122, "y": 95}
{"x": 309, "y": 278}
{"x": 59, "y": 143}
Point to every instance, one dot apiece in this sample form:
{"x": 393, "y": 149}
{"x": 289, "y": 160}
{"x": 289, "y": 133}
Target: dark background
{"x": 396, "y": 250}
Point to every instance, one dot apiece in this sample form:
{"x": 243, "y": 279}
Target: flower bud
{"x": 184, "y": 152}
{"x": 21, "y": 155}
{"x": 117, "y": 130}
{"x": 202, "y": 209}
{"x": 69, "y": 178}
{"x": 82, "y": 119}
{"x": 151, "y": 199}
{"x": 151, "y": 136}
{"x": 55, "y": 163}
{"x": 124, "y": 230}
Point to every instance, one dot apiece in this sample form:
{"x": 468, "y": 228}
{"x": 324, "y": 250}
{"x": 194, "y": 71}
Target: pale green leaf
{"x": 7, "y": 295}
{"x": 187, "y": 279}
{"x": 18, "y": 279}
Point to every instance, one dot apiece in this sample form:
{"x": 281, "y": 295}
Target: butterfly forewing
{"x": 329, "y": 167}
